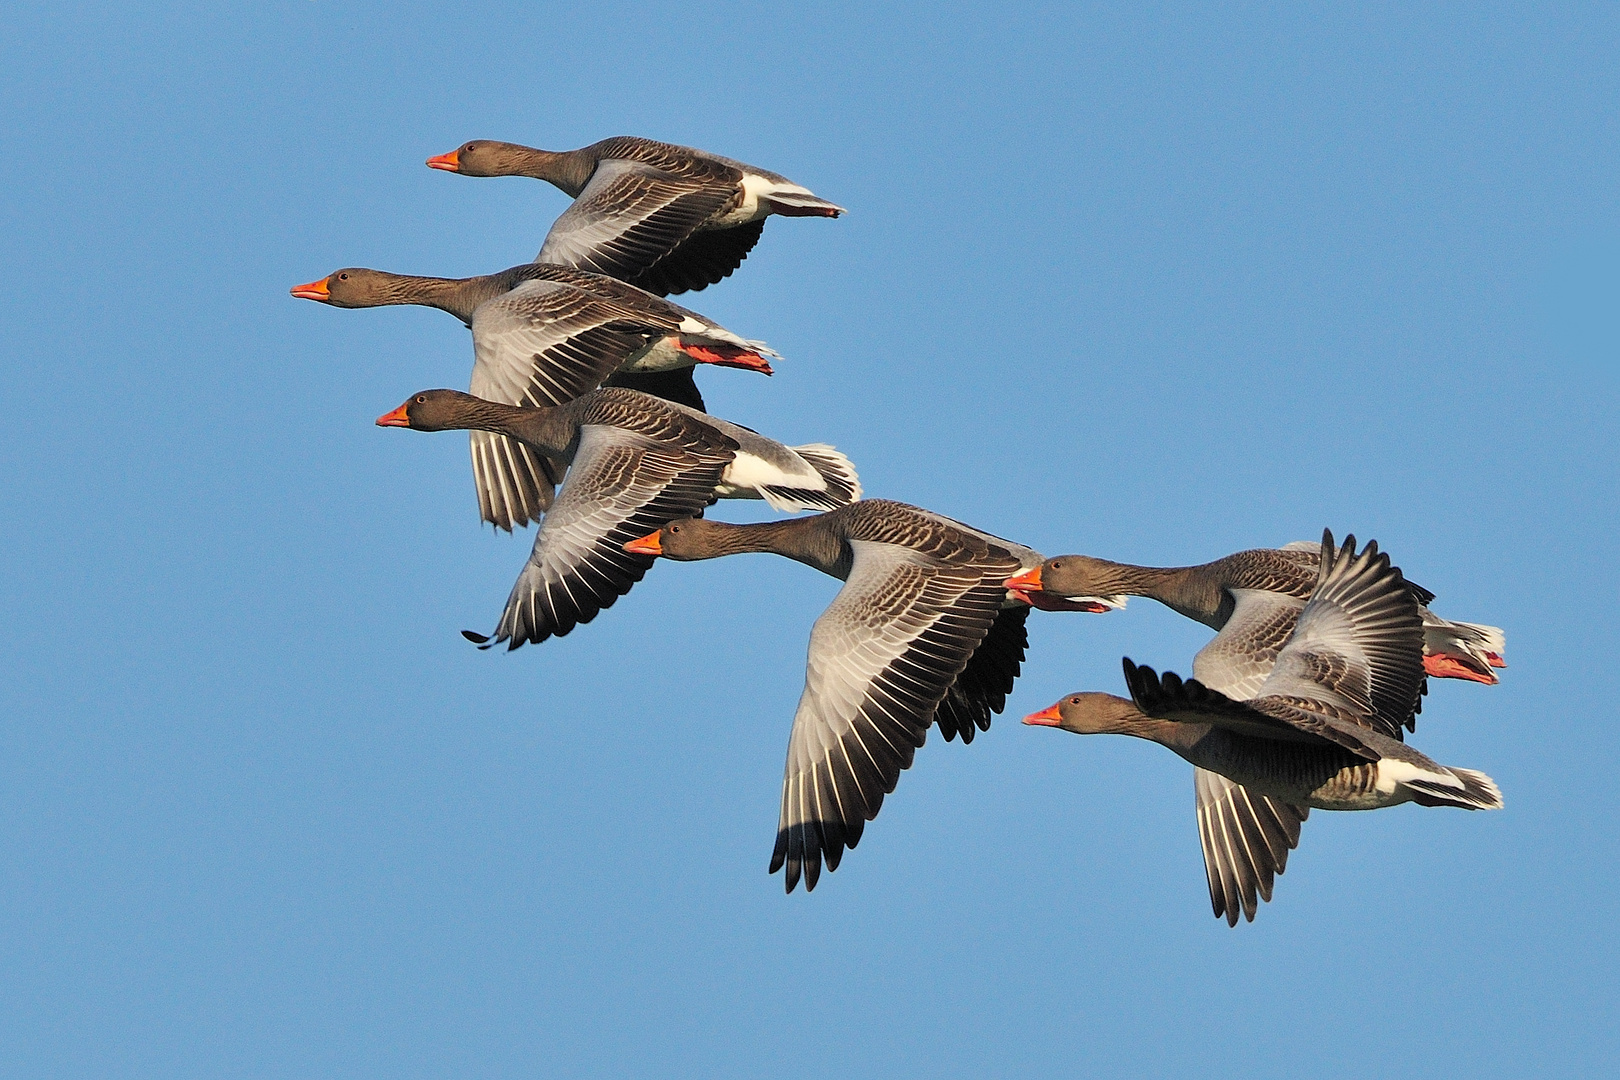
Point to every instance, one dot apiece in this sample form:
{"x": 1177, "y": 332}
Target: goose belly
{"x": 1357, "y": 787}
{"x": 660, "y": 354}
{"x": 1321, "y": 777}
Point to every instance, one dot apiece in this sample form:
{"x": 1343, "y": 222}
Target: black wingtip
{"x": 475, "y": 637}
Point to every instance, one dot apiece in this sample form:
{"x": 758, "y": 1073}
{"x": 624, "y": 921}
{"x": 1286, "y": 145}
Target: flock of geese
{"x": 581, "y": 367}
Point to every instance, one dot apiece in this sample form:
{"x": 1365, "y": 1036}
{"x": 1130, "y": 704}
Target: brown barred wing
{"x": 1246, "y": 839}
{"x": 882, "y": 657}
{"x": 705, "y": 258}
{"x": 984, "y": 684}
{"x": 622, "y": 485}
{"x": 1358, "y": 646}
{"x": 631, "y": 215}
{"x": 543, "y": 343}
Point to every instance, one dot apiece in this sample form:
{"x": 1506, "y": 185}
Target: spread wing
{"x": 1246, "y": 839}
{"x": 984, "y": 684}
{"x": 622, "y": 485}
{"x": 1358, "y": 646}
{"x": 882, "y": 657}
{"x": 677, "y": 385}
{"x": 705, "y": 258}
{"x": 543, "y": 343}
{"x": 630, "y": 215}
{"x": 1245, "y": 836}
{"x": 1238, "y": 659}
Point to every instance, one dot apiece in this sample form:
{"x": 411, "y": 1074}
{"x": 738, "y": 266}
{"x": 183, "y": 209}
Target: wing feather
{"x": 882, "y": 658}
{"x": 630, "y": 215}
{"x": 623, "y": 485}
{"x": 1246, "y": 838}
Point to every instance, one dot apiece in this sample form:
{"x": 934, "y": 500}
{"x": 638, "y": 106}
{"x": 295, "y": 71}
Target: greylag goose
{"x": 1251, "y": 598}
{"x": 667, "y": 218}
{"x": 541, "y": 336}
{"x": 922, "y": 632}
{"x": 636, "y": 462}
{"x": 1323, "y": 731}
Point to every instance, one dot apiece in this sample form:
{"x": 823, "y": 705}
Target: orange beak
{"x": 646, "y": 545}
{"x": 450, "y": 162}
{"x": 397, "y": 418}
{"x": 315, "y": 290}
{"x": 1028, "y": 581}
{"x": 1047, "y": 717}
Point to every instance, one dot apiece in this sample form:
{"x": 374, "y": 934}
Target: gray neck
{"x": 804, "y": 540}
{"x": 1181, "y": 737}
{"x": 1193, "y": 591}
{"x": 458, "y": 296}
{"x": 551, "y": 431}
{"x": 569, "y": 170}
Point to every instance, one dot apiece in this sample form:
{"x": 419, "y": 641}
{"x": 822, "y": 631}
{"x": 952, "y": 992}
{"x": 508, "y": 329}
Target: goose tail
{"x": 1476, "y": 791}
{"x": 841, "y": 484}
{"x": 791, "y": 203}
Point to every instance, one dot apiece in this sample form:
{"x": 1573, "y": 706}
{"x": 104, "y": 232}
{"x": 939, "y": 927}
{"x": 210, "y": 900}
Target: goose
{"x": 636, "y": 462}
{"x": 667, "y": 218}
{"x": 923, "y": 632}
{"x": 541, "y": 336}
{"x": 1323, "y": 731}
{"x": 1251, "y": 598}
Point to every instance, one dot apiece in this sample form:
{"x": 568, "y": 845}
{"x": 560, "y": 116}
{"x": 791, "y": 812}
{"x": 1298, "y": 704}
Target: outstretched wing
{"x": 1237, "y": 660}
{"x": 544, "y": 343}
{"x": 630, "y": 215}
{"x": 984, "y": 684}
{"x": 677, "y": 385}
{"x": 1358, "y": 646}
{"x": 1245, "y": 836}
{"x": 622, "y": 485}
{"x": 882, "y": 657}
{"x": 705, "y": 258}
{"x": 1246, "y": 839}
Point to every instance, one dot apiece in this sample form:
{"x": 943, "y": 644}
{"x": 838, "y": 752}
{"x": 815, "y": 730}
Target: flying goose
{"x": 1323, "y": 731}
{"x": 923, "y": 632}
{"x": 636, "y": 462}
{"x": 1251, "y": 598}
{"x": 541, "y": 336}
{"x": 667, "y": 218}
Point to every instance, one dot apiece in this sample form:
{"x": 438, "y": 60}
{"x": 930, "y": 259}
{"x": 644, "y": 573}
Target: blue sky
{"x": 1145, "y": 282}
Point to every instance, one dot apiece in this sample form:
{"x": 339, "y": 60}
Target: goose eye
{"x": 343, "y": 277}
{"x": 1075, "y": 700}
{"x": 1056, "y": 564}
{"x": 421, "y": 399}
{"x": 674, "y": 528}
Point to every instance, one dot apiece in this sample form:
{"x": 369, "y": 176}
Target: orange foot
{"x": 725, "y": 356}
{"x": 1449, "y": 667}
{"x": 1495, "y": 660}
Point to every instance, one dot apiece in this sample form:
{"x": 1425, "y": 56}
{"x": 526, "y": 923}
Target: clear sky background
{"x": 1141, "y": 281}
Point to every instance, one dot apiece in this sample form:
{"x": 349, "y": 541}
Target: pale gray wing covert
{"x": 882, "y": 657}
{"x": 629, "y": 216}
{"x": 1245, "y": 836}
{"x": 1358, "y": 645}
{"x": 622, "y": 486}
{"x": 1239, "y": 658}
{"x": 542, "y": 343}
